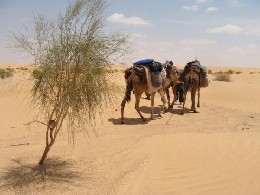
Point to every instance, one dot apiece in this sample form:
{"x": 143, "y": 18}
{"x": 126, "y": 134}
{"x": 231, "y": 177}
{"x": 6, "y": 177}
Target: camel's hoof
{"x": 171, "y": 106}
{"x": 122, "y": 122}
{"x": 195, "y": 111}
{"x": 198, "y": 106}
{"x": 160, "y": 115}
{"x": 182, "y": 113}
{"x": 152, "y": 118}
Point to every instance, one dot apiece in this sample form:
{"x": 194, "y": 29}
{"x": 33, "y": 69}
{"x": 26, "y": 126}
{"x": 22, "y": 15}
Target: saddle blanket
{"x": 150, "y": 87}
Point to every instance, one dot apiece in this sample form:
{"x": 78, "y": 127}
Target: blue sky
{"x": 217, "y": 32}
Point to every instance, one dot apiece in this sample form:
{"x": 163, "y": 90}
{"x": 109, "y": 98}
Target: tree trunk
{"x": 46, "y": 151}
{"x": 44, "y": 155}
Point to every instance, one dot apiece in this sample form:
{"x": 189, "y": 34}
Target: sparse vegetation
{"x": 219, "y": 72}
{"x": 251, "y": 72}
{"x": 6, "y": 72}
{"x": 22, "y": 68}
{"x": 210, "y": 71}
{"x": 230, "y": 71}
{"x": 238, "y": 72}
{"x": 75, "y": 54}
{"x": 222, "y": 77}
{"x": 37, "y": 74}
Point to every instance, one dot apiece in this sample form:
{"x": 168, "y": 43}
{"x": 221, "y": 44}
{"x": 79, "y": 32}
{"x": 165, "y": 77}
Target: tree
{"x": 74, "y": 54}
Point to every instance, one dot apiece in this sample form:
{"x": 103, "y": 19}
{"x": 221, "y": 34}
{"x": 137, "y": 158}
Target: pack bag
{"x": 155, "y": 67}
{"x": 204, "y": 81}
{"x": 144, "y": 62}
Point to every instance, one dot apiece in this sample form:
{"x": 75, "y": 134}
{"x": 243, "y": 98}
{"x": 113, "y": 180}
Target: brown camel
{"x": 172, "y": 77}
{"x": 139, "y": 85}
{"x": 194, "y": 78}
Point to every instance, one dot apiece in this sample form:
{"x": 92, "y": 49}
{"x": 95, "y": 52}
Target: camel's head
{"x": 172, "y": 73}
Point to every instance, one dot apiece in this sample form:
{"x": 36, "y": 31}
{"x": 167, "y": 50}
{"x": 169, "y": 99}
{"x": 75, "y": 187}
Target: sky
{"x": 216, "y": 32}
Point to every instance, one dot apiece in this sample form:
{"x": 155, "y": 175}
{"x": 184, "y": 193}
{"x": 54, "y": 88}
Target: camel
{"x": 171, "y": 82}
{"x": 139, "y": 85}
{"x": 192, "y": 78}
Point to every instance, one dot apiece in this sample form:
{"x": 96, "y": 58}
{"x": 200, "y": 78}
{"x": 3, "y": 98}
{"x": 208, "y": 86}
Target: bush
{"x": 222, "y": 77}
{"x": 238, "y": 72}
{"x": 210, "y": 71}
{"x": 37, "y": 74}
{"x": 230, "y": 71}
{"x": 6, "y": 73}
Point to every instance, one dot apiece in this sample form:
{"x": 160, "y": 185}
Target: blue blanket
{"x": 144, "y": 62}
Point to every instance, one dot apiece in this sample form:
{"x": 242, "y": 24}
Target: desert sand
{"x": 215, "y": 151}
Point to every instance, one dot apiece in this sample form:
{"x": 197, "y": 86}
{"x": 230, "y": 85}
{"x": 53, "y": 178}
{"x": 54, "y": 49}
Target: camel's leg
{"x": 152, "y": 106}
{"x": 168, "y": 97}
{"x": 184, "y": 98}
{"x": 161, "y": 92}
{"x": 122, "y": 111}
{"x": 198, "y": 104}
{"x": 193, "y": 97}
{"x": 137, "y": 101}
{"x": 174, "y": 96}
{"x": 127, "y": 97}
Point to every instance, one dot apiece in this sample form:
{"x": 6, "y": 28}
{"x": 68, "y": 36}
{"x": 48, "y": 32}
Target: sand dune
{"x": 216, "y": 151}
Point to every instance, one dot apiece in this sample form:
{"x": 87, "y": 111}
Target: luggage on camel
{"x": 197, "y": 67}
{"x": 154, "y": 67}
{"x": 144, "y": 62}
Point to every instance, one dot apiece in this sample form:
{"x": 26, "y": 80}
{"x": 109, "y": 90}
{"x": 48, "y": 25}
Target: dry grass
{"x": 6, "y": 72}
{"x": 223, "y": 77}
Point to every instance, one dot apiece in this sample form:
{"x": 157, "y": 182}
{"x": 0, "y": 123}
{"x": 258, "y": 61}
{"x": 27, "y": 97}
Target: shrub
{"x": 6, "y": 73}
{"x": 230, "y": 71}
{"x": 72, "y": 84}
{"x": 238, "y": 72}
{"x": 37, "y": 74}
{"x": 210, "y": 71}
{"x": 222, "y": 77}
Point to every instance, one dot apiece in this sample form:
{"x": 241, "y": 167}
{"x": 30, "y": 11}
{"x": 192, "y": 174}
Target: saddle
{"x": 155, "y": 71}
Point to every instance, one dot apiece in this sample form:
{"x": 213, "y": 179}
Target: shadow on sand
{"x": 23, "y": 177}
{"x": 177, "y": 109}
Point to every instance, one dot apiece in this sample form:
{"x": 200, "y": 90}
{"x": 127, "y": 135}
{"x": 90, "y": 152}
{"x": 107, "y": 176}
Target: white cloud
{"x": 121, "y": 18}
{"x": 250, "y": 49}
{"x": 192, "y": 8}
{"x": 236, "y": 50}
{"x": 198, "y": 42}
{"x": 212, "y": 9}
{"x": 253, "y": 33}
{"x": 227, "y": 29}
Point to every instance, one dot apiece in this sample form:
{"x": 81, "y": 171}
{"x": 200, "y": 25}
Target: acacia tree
{"x": 74, "y": 55}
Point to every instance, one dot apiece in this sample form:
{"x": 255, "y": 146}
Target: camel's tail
{"x": 128, "y": 90}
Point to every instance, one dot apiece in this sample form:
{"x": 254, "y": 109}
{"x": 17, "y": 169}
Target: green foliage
{"x": 6, "y": 72}
{"x": 74, "y": 54}
{"x": 37, "y": 74}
